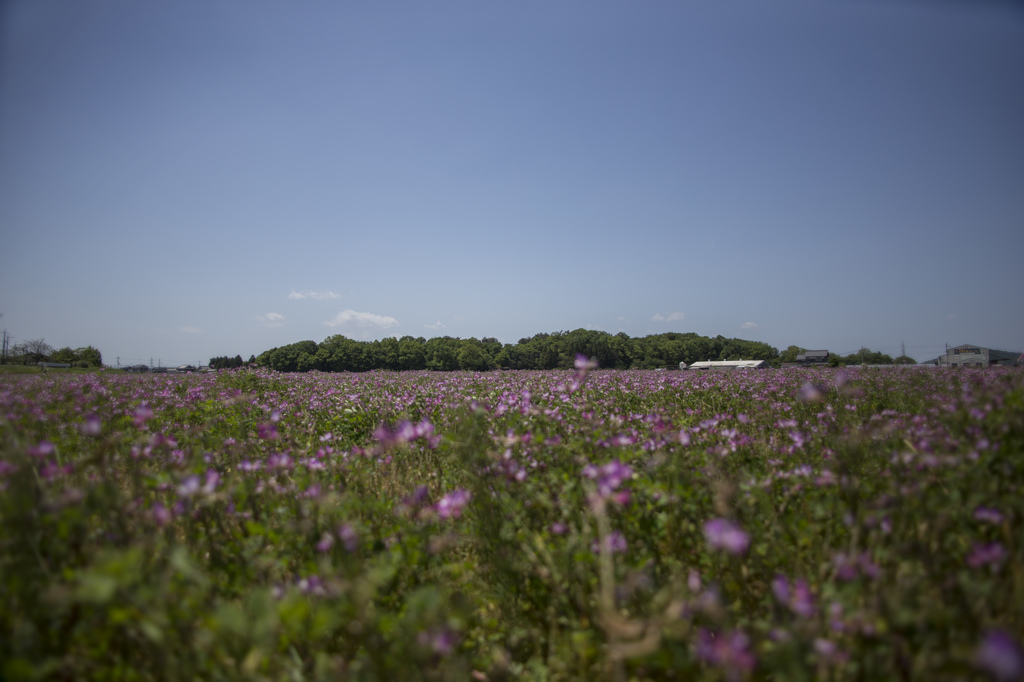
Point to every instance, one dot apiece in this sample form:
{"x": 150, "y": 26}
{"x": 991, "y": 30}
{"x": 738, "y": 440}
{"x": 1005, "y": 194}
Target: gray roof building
{"x": 812, "y": 356}
{"x": 976, "y": 356}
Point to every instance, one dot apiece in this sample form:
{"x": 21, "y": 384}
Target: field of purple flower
{"x": 625, "y": 525}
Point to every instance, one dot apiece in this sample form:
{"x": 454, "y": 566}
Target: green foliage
{"x": 865, "y": 356}
{"x": 789, "y": 355}
{"x": 224, "y": 362}
{"x": 542, "y": 351}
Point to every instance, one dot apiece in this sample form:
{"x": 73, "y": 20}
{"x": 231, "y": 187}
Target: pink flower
{"x": 613, "y": 544}
{"x": 92, "y": 426}
{"x": 799, "y": 599}
{"x": 609, "y": 476}
{"x": 723, "y": 534}
{"x": 142, "y": 415}
{"x": 811, "y": 393}
{"x": 161, "y": 515}
{"x": 583, "y": 363}
{"x": 349, "y": 538}
{"x": 450, "y": 506}
{"x": 730, "y": 651}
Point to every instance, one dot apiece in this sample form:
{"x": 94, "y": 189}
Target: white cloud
{"x": 315, "y": 295}
{"x": 436, "y": 326}
{"x": 352, "y": 318}
{"x": 271, "y": 319}
{"x": 190, "y": 330}
{"x": 750, "y": 325}
{"x": 671, "y": 317}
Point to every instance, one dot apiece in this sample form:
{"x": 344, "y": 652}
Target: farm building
{"x": 725, "y": 364}
{"x": 976, "y": 356}
{"x": 813, "y": 357}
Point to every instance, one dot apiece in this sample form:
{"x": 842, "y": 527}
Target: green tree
{"x": 789, "y": 355}
{"x": 64, "y": 355}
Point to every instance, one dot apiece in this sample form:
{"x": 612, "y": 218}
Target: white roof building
{"x": 725, "y": 364}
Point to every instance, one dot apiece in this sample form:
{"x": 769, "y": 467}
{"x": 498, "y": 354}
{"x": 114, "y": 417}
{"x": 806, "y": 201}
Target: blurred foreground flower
{"x": 450, "y": 506}
{"x": 730, "y": 651}
{"x": 1000, "y": 656}
{"x": 614, "y": 543}
{"x": 811, "y": 393}
{"x": 986, "y": 554}
{"x": 92, "y": 426}
{"x": 725, "y": 535}
{"x": 584, "y": 363}
{"x": 796, "y": 597}
{"x": 608, "y": 476}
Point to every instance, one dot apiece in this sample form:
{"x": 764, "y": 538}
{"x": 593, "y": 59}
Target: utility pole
{"x": 119, "y": 362}
{"x": 903, "y": 349}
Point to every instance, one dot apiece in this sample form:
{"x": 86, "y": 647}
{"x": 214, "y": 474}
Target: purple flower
{"x": 189, "y": 486}
{"x": 988, "y": 514}
{"x": 846, "y": 566}
{"x": 441, "y": 640}
{"x": 349, "y": 538}
{"x": 92, "y": 426}
{"x": 614, "y": 543}
{"x": 413, "y": 502}
{"x": 798, "y": 598}
{"x": 279, "y": 460}
{"x": 161, "y": 515}
{"x": 986, "y": 554}
{"x": 780, "y": 588}
{"x": 405, "y": 432}
{"x": 142, "y": 415}
{"x": 811, "y": 393}
{"x": 583, "y": 363}
{"x": 558, "y": 528}
{"x": 311, "y": 585}
{"x": 829, "y": 651}
{"x": 325, "y": 544}
{"x": 609, "y": 476}
{"x": 730, "y": 651}
{"x": 44, "y": 449}
{"x": 723, "y": 534}
{"x": 450, "y": 506}
{"x": 1000, "y": 656}
{"x": 212, "y": 478}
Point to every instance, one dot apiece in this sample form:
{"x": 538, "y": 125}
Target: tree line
{"x": 37, "y": 350}
{"x": 556, "y": 350}
{"x": 863, "y": 356}
{"x": 224, "y": 362}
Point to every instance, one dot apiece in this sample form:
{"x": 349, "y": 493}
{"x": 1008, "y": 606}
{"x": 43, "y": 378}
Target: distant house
{"x": 725, "y": 364}
{"x": 813, "y": 357}
{"x": 976, "y": 356}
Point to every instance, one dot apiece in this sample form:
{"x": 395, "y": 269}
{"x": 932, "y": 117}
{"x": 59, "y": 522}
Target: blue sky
{"x": 187, "y": 179}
